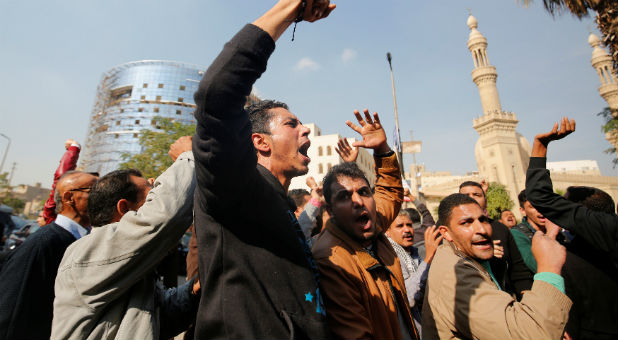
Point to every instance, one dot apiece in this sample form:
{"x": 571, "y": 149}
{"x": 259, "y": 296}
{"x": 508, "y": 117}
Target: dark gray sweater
{"x": 257, "y": 279}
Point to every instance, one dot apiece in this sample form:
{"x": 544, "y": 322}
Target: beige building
{"x": 602, "y": 62}
{"x": 502, "y": 154}
{"x": 323, "y": 157}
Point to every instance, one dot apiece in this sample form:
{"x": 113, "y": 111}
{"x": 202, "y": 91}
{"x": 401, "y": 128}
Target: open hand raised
{"x": 561, "y": 129}
{"x": 345, "y": 151}
{"x": 372, "y": 132}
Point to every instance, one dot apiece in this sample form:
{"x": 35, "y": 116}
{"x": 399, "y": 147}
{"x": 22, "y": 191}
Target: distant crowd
{"x": 345, "y": 259}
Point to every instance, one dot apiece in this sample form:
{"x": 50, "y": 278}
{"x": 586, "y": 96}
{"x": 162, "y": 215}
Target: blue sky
{"x": 53, "y": 53}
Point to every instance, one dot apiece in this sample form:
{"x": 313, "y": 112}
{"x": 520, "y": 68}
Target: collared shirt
{"x": 71, "y": 226}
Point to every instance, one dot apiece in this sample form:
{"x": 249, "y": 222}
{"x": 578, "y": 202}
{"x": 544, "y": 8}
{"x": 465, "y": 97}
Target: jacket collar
{"x": 275, "y": 184}
{"x": 361, "y": 253}
{"x": 475, "y": 263}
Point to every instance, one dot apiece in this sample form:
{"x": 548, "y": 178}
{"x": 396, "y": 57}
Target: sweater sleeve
{"x": 67, "y": 162}
{"x": 427, "y": 218}
{"x": 225, "y": 158}
{"x": 597, "y": 228}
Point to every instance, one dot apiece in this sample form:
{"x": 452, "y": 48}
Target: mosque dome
{"x": 593, "y": 40}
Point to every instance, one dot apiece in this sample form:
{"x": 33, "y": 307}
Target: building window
{"x": 135, "y": 135}
{"x": 145, "y": 85}
{"x": 141, "y": 109}
{"x": 137, "y": 121}
{"x": 329, "y": 166}
{"x": 153, "y": 122}
{"x": 329, "y": 151}
{"x": 156, "y": 109}
{"x": 160, "y": 85}
{"x": 121, "y": 110}
{"x": 180, "y": 99}
{"x": 117, "y": 122}
{"x": 320, "y": 152}
{"x": 178, "y": 112}
{"x": 116, "y": 136}
{"x": 142, "y": 97}
{"x": 320, "y": 168}
{"x": 158, "y": 98}
{"x": 182, "y": 87}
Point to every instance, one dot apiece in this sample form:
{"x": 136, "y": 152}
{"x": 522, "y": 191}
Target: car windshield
{"x": 18, "y": 221}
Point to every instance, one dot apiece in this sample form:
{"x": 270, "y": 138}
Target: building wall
{"x": 128, "y": 97}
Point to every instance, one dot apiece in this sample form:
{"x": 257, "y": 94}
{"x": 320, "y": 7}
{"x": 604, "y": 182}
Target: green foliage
{"x": 498, "y": 199}
{"x": 15, "y": 203}
{"x": 611, "y": 124}
{"x": 4, "y": 181}
{"x": 153, "y": 159}
{"x": 560, "y": 192}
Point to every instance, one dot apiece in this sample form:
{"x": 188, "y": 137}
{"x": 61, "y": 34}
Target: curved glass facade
{"x": 128, "y": 97}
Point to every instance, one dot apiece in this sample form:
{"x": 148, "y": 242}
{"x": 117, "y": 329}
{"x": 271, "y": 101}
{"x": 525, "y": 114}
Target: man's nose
{"x": 356, "y": 199}
{"x": 482, "y": 228}
{"x": 305, "y": 130}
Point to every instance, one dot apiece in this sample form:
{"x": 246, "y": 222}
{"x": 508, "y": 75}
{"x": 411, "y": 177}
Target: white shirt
{"x": 71, "y": 226}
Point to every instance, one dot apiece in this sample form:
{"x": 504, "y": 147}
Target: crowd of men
{"x": 343, "y": 260}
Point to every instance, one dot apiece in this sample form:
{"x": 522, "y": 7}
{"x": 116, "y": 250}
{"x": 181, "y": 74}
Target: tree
{"x": 15, "y": 203}
{"x": 498, "y": 199}
{"x": 607, "y": 18}
{"x": 610, "y": 128}
{"x": 153, "y": 159}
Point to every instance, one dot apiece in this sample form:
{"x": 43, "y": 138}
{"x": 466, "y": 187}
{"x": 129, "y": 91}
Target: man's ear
{"x": 67, "y": 197}
{"x": 261, "y": 142}
{"x": 444, "y": 231}
{"x": 122, "y": 207}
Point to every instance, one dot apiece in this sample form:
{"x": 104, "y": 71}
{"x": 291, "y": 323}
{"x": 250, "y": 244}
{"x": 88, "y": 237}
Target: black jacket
{"x": 590, "y": 274}
{"x": 256, "y": 275}
{"x": 510, "y": 270}
{"x": 27, "y": 284}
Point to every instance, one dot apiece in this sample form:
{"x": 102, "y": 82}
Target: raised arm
{"x": 67, "y": 162}
{"x": 388, "y": 188}
{"x": 597, "y": 228}
{"x": 222, "y": 144}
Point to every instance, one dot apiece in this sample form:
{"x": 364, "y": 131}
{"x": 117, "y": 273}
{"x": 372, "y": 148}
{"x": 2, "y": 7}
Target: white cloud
{"x": 348, "y": 55}
{"x": 307, "y": 63}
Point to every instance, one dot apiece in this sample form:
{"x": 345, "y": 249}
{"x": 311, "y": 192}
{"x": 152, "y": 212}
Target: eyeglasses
{"x": 84, "y": 189}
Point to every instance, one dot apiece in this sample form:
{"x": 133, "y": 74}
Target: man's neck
{"x": 532, "y": 224}
{"x": 279, "y": 175}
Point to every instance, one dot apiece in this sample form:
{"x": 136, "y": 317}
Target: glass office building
{"x": 128, "y": 97}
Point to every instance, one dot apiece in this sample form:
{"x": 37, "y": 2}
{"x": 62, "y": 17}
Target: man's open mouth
{"x": 304, "y": 149}
{"x": 482, "y": 244}
{"x": 364, "y": 221}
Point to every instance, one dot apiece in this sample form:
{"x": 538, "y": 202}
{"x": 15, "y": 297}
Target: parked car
{"x": 23, "y": 229}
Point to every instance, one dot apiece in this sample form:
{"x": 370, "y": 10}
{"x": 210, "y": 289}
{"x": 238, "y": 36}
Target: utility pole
{"x": 398, "y": 136}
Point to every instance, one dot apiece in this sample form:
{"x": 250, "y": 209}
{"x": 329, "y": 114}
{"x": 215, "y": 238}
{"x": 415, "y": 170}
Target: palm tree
{"x": 607, "y": 18}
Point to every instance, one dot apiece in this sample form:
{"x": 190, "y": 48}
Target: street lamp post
{"x": 398, "y": 137}
{"x": 6, "y": 151}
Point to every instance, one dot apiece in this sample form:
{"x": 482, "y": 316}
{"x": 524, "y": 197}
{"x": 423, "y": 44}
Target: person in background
{"x": 300, "y": 198}
{"x": 414, "y": 268}
{"x": 507, "y": 218}
{"x": 28, "y": 274}
{"x": 67, "y": 162}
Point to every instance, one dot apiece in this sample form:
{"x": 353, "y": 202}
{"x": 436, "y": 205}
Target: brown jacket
{"x": 357, "y": 294}
{"x": 462, "y": 302}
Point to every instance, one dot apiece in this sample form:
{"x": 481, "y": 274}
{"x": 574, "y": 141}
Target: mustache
{"x": 481, "y": 238}
{"x": 406, "y": 234}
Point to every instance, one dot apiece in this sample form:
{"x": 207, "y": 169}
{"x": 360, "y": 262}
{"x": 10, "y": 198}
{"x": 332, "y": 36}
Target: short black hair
{"x": 591, "y": 198}
{"x": 260, "y": 114}
{"x": 106, "y": 193}
{"x": 298, "y": 196}
{"x": 503, "y": 211}
{"x": 472, "y": 184}
{"x": 522, "y": 198}
{"x": 412, "y": 214}
{"x": 445, "y": 209}
{"x": 347, "y": 169}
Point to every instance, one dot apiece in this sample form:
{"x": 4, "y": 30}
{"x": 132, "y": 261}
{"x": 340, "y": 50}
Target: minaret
{"x": 602, "y": 62}
{"x": 502, "y": 154}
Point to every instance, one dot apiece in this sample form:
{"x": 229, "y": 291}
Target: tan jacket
{"x": 462, "y": 302}
{"x": 355, "y": 286}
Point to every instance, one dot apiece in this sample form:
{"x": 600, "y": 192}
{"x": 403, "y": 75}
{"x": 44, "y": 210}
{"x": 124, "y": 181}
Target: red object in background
{"x": 67, "y": 162}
